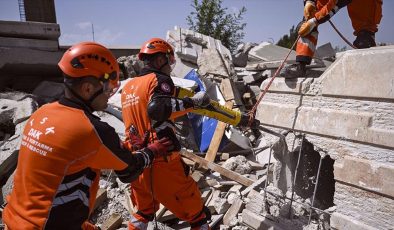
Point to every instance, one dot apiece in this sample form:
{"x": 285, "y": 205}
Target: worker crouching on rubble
{"x": 148, "y": 105}
{"x": 364, "y": 14}
{"x": 64, "y": 146}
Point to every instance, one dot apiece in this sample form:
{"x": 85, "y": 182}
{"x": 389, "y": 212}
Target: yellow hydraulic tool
{"x": 216, "y": 111}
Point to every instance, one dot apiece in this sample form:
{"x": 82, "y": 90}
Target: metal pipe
{"x": 314, "y": 192}
{"x": 295, "y": 176}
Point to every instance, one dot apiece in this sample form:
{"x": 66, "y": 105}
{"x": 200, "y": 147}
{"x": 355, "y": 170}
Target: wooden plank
{"x": 100, "y": 197}
{"x": 223, "y": 171}
{"x": 217, "y": 137}
{"x": 252, "y": 186}
{"x": 233, "y": 211}
{"x": 227, "y": 90}
{"x": 114, "y": 222}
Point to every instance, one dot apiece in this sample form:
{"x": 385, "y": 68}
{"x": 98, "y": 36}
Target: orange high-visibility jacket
{"x": 137, "y": 94}
{"x": 63, "y": 148}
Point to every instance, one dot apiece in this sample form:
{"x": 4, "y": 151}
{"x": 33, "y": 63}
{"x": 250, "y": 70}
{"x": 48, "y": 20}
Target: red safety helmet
{"x": 157, "y": 45}
{"x": 91, "y": 59}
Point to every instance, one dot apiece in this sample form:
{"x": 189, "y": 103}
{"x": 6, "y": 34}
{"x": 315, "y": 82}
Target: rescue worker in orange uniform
{"x": 148, "y": 106}
{"x": 364, "y": 14}
{"x": 64, "y": 146}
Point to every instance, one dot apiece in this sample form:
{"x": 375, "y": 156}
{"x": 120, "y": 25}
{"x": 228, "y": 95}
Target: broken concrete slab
{"x": 325, "y": 51}
{"x": 240, "y": 58}
{"x": 210, "y": 62}
{"x": 47, "y": 45}
{"x": 367, "y": 174}
{"x": 369, "y": 208}
{"x": 296, "y": 85}
{"x": 264, "y": 156}
{"x": 30, "y": 29}
{"x": 365, "y": 73}
{"x": 189, "y": 45}
{"x": 340, "y": 221}
{"x": 269, "y": 52}
{"x": 258, "y": 222}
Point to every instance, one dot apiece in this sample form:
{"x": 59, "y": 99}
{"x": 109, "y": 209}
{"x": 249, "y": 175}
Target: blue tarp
{"x": 203, "y": 127}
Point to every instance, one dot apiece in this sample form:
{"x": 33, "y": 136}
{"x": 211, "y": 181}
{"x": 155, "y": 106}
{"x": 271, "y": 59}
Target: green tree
{"x": 211, "y": 19}
{"x": 288, "y": 39}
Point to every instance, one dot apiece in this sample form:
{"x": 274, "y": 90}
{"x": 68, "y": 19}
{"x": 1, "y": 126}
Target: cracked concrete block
{"x": 210, "y": 62}
{"x": 269, "y": 52}
{"x": 364, "y": 73}
{"x": 369, "y": 208}
{"x": 187, "y": 54}
{"x": 340, "y": 221}
{"x": 263, "y": 157}
{"x": 221, "y": 205}
{"x": 367, "y": 174}
{"x": 182, "y": 68}
{"x": 346, "y": 124}
{"x": 258, "y": 222}
{"x": 296, "y": 85}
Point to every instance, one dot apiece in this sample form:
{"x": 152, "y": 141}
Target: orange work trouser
{"x": 364, "y": 14}
{"x": 171, "y": 187}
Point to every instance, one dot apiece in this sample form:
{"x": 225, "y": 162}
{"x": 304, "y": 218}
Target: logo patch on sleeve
{"x": 165, "y": 87}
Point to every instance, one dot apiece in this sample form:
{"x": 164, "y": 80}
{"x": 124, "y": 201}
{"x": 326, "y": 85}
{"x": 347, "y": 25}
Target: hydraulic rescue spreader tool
{"x": 217, "y": 111}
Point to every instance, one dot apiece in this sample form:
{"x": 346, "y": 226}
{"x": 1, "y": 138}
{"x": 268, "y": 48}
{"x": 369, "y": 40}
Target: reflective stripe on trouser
{"x": 137, "y": 222}
{"x": 306, "y": 47}
{"x": 171, "y": 187}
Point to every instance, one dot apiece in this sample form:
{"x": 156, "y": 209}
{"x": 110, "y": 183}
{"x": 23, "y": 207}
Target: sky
{"x": 131, "y": 22}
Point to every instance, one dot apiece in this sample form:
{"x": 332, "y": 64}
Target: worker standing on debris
{"x": 364, "y": 14}
{"x": 64, "y": 146}
{"x": 147, "y": 105}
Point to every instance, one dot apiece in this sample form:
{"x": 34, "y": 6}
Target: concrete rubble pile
{"x": 331, "y": 168}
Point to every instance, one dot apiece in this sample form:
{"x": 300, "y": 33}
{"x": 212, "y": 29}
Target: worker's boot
{"x": 294, "y": 71}
{"x": 365, "y": 39}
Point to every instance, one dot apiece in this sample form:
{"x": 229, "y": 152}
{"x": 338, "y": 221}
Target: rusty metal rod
{"x": 314, "y": 192}
{"x": 295, "y": 176}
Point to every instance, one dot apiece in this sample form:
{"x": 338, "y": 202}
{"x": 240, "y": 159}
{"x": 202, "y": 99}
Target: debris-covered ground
{"x": 251, "y": 185}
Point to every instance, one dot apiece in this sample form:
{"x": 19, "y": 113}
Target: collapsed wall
{"x": 347, "y": 114}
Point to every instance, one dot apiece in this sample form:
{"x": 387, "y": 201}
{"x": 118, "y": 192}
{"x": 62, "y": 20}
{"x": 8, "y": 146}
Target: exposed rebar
{"x": 295, "y": 177}
{"x": 314, "y": 191}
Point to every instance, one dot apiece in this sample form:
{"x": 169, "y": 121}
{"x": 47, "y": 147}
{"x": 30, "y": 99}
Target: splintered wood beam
{"x": 217, "y": 137}
{"x": 217, "y": 168}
